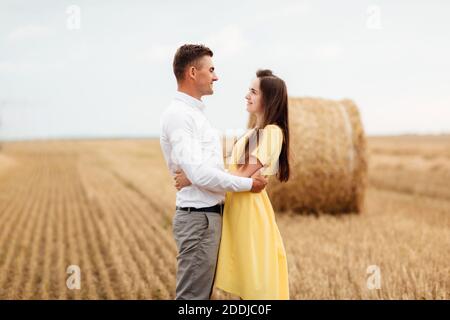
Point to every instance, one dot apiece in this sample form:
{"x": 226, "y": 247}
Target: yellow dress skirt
{"x": 252, "y": 260}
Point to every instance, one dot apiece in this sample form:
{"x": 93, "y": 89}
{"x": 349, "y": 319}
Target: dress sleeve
{"x": 269, "y": 148}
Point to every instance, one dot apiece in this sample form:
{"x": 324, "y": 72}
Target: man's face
{"x": 205, "y": 76}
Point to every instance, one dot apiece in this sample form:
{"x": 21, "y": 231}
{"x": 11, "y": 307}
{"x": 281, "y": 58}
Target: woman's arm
{"x": 248, "y": 170}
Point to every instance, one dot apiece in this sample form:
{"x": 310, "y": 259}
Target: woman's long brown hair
{"x": 275, "y": 105}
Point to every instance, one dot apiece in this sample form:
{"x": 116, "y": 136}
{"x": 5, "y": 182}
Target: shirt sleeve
{"x": 187, "y": 155}
{"x": 269, "y": 148}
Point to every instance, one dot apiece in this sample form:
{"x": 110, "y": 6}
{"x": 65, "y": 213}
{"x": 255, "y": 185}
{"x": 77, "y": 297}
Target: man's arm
{"x": 186, "y": 153}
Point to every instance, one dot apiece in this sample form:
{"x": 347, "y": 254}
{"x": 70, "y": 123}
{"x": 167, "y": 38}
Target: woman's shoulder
{"x": 273, "y": 129}
{"x": 272, "y": 126}
{"x": 272, "y": 133}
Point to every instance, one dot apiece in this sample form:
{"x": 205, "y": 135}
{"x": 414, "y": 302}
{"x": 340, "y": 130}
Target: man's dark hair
{"x": 187, "y": 55}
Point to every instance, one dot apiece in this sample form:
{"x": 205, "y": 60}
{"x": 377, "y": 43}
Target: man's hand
{"x": 181, "y": 180}
{"x": 259, "y": 182}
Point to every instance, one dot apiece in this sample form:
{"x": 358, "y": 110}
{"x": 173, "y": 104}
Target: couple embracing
{"x": 224, "y": 225}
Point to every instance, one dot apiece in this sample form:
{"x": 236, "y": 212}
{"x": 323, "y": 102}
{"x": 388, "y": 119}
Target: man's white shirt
{"x": 190, "y": 143}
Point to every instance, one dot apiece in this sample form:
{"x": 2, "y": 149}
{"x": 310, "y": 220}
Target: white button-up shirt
{"x": 189, "y": 142}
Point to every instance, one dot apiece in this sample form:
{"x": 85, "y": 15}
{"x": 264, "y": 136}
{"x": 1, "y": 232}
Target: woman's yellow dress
{"x": 252, "y": 260}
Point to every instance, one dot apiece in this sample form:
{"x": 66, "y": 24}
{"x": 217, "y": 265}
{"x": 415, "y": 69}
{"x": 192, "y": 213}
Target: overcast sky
{"x": 103, "y": 68}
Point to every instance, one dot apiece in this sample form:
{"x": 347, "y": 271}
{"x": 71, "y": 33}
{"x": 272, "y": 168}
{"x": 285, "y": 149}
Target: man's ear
{"x": 192, "y": 72}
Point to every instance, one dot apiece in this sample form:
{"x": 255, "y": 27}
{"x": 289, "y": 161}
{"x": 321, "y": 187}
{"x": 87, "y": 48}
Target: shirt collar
{"x": 189, "y": 100}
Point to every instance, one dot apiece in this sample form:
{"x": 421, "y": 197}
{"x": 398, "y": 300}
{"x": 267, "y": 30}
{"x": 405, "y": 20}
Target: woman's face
{"x": 254, "y": 98}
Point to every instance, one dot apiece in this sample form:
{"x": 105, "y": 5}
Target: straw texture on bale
{"x": 327, "y": 157}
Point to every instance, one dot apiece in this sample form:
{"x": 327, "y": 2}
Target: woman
{"x": 252, "y": 260}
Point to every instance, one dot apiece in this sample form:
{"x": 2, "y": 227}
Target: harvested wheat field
{"x": 107, "y": 206}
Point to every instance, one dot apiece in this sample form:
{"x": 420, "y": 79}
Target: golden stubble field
{"x": 107, "y": 206}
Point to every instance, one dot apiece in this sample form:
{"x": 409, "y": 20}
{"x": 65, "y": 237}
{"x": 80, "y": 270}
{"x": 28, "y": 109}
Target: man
{"x": 191, "y": 144}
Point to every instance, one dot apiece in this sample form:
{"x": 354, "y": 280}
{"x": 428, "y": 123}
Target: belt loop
{"x": 189, "y": 210}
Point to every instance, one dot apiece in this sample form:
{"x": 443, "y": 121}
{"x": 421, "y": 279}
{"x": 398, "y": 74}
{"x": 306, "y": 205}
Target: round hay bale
{"x": 327, "y": 157}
